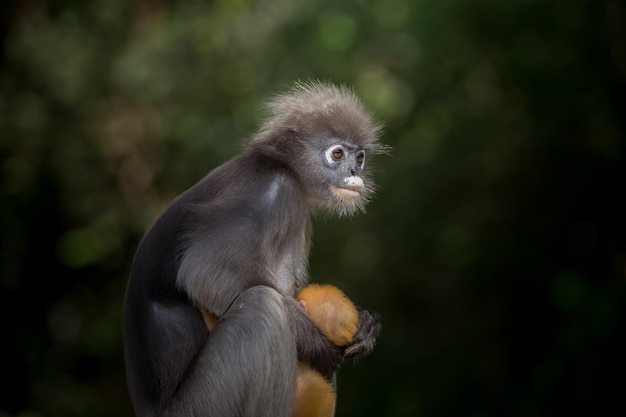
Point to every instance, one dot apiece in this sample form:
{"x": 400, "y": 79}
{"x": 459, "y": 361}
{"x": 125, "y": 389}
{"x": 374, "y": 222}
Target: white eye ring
{"x": 360, "y": 155}
{"x": 334, "y": 154}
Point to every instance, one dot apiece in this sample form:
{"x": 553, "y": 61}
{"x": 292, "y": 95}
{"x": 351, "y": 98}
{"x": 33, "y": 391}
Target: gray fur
{"x": 222, "y": 384}
{"x": 237, "y": 245}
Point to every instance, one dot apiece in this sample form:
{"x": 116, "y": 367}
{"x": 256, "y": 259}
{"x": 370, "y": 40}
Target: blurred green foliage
{"x": 495, "y": 249}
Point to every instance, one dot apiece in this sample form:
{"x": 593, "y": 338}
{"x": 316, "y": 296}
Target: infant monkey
{"x": 336, "y": 317}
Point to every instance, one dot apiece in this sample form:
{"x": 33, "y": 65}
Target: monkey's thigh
{"x": 248, "y": 365}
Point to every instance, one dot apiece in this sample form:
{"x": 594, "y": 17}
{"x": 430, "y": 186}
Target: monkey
{"x": 236, "y": 245}
{"x": 337, "y": 318}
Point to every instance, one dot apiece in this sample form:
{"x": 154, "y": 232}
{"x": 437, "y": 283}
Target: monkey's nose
{"x": 352, "y": 171}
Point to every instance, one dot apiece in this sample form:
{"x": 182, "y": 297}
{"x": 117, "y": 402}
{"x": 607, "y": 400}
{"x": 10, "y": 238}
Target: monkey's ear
{"x": 285, "y": 141}
{"x": 292, "y": 134}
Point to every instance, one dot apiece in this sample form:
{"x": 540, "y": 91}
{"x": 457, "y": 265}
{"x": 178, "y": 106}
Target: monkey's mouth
{"x": 348, "y": 192}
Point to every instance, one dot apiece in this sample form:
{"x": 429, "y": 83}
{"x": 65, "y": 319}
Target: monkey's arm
{"x": 365, "y": 338}
{"x": 313, "y": 347}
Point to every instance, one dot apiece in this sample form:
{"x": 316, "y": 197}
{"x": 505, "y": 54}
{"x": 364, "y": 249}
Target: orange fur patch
{"x": 210, "y": 320}
{"x": 332, "y": 311}
{"x": 314, "y": 395}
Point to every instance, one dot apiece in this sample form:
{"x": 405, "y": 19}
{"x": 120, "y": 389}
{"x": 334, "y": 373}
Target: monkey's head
{"x": 326, "y": 136}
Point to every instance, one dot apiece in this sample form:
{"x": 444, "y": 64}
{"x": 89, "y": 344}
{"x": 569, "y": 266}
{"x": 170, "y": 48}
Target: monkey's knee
{"x": 257, "y": 299}
{"x": 315, "y": 397}
{"x": 264, "y": 303}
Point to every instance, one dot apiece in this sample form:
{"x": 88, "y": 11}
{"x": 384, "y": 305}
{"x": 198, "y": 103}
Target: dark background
{"x": 495, "y": 249}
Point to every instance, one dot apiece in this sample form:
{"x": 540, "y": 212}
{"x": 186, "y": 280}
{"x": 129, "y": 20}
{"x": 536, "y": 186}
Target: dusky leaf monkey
{"x": 236, "y": 245}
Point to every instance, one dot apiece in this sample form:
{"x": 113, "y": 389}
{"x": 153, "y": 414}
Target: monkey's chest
{"x": 291, "y": 271}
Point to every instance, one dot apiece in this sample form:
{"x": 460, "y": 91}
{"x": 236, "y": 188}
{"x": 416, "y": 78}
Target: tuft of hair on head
{"x": 313, "y": 105}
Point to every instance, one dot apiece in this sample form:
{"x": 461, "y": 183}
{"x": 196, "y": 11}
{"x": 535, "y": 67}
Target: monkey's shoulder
{"x": 252, "y": 181}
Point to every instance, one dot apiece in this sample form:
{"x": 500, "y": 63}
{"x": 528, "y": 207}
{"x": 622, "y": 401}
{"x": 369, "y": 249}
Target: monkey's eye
{"x": 360, "y": 157}
{"x": 335, "y": 153}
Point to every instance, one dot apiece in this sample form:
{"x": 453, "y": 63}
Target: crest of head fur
{"x": 315, "y": 106}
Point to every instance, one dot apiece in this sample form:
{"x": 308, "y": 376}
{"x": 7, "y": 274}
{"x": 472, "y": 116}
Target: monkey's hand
{"x": 366, "y": 333}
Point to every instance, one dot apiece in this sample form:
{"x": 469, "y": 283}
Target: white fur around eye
{"x": 364, "y": 155}
{"x": 329, "y": 153}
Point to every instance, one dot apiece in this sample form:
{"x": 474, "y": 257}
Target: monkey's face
{"x": 325, "y": 135}
{"x": 340, "y": 183}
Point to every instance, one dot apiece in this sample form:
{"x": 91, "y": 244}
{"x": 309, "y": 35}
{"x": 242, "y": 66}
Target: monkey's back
{"x": 249, "y": 205}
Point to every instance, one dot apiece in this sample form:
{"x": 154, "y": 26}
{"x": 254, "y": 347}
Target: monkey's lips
{"x": 348, "y": 192}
